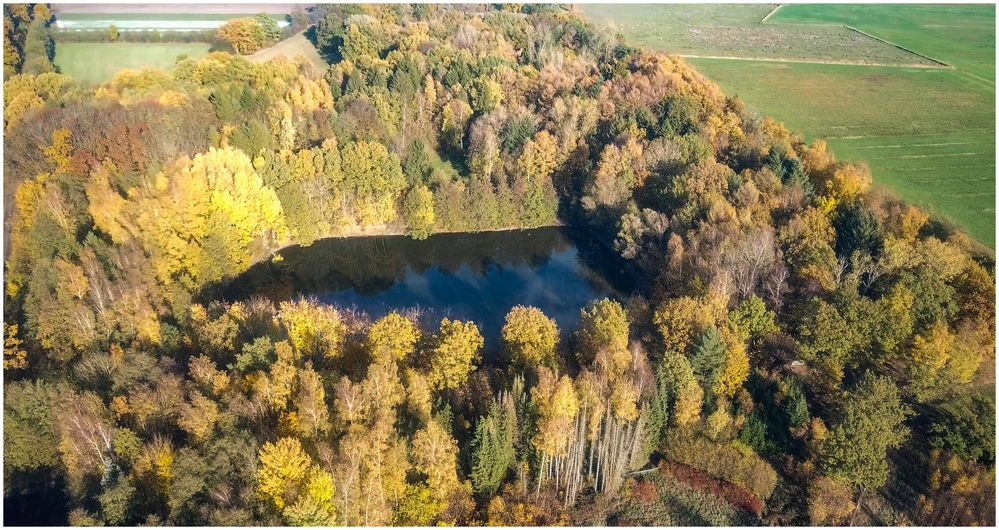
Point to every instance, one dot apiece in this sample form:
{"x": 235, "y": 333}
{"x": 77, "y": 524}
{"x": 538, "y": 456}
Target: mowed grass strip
{"x": 98, "y": 62}
{"x": 924, "y": 138}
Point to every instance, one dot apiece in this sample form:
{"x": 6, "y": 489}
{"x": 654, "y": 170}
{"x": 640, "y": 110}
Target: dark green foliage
{"x": 30, "y": 440}
{"x": 857, "y": 228}
{"x": 255, "y": 355}
{"x": 38, "y": 49}
{"x": 673, "y": 374}
{"x": 272, "y": 32}
{"x": 252, "y": 137}
{"x": 406, "y": 79}
{"x": 330, "y": 31}
{"x": 933, "y": 297}
{"x": 459, "y": 74}
{"x": 708, "y": 358}
{"x": 789, "y": 170}
{"x": 795, "y": 405}
{"x": 493, "y": 451}
{"x": 116, "y": 502}
{"x": 870, "y": 423}
{"x": 677, "y": 116}
{"x": 418, "y": 164}
{"x": 966, "y": 427}
{"x": 516, "y": 131}
{"x": 659, "y": 415}
{"x": 226, "y": 102}
{"x": 754, "y": 434}
{"x": 753, "y": 319}
{"x": 189, "y": 471}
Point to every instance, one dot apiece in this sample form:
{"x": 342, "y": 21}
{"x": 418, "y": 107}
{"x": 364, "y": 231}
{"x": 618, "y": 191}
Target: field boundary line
{"x": 771, "y": 13}
{"x": 982, "y": 79}
{"x": 899, "y": 46}
{"x": 817, "y": 61}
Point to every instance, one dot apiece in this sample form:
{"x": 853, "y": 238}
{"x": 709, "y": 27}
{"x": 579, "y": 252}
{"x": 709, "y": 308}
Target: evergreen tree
{"x": 493, "y": 452}
{"x": 708, "y": 359}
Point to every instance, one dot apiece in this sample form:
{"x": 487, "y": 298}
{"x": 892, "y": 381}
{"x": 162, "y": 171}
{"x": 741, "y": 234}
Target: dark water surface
{"x": 476, "y": 277}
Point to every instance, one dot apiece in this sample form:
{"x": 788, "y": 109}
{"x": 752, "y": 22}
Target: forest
{"x": 802, "y": 349}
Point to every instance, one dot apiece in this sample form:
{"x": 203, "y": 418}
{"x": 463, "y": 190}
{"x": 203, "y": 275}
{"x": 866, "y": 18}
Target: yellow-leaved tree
{"x": 207, "y": 218}
{"x": 393, "y": 337}
{"x": 313, "y": 329}
{"x": 455, "y": 355}
{"x": 283, "y": 465}
{"x": 530, "y": 337}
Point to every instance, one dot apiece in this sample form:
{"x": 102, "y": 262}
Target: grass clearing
{"x": 291, "y": 47}
{"x": 928, "y": 134}
{"x": 97, "y": 62}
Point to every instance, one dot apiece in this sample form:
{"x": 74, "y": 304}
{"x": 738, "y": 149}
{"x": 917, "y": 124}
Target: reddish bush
{"x": 645, "y": 492}
{"x": 695, "y": 478}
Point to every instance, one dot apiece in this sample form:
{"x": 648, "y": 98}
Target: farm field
{"x": 927, "y": 133}
{"x": 735, "y": 31}
{"x": 97, "y": 62}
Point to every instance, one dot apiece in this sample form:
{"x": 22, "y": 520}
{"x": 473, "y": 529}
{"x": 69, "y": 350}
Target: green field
{"x": 735, "y": 31}
{"x": 98, "y": 62}
{"x": 928, "y": 133}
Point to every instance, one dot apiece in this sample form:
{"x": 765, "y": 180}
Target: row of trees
{"x": 27, "y": 46}
{"x": 247, "y": 35}
{"x": 797, "y": 336}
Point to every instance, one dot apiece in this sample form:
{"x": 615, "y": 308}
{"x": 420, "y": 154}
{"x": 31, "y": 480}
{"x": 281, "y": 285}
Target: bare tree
{"x": 750, "y": 258}
{"x": 776, "y": 283}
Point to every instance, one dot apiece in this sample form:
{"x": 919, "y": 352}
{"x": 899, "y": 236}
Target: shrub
{"x": 830, "y": 501}
{"x": 731, "y": 461}
{"x": 733, "y": 493}
{"x": 645, "y": 492}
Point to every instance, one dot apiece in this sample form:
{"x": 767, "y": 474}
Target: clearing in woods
{"x": 97, "y": 62}
{"x": 926, "y": 130}
{"x": 291, "y": 47}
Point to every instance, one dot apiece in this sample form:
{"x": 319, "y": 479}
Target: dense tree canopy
{"x": 797, "y": 344}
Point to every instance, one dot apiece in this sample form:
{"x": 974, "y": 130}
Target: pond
{"x": 477, "y": 276}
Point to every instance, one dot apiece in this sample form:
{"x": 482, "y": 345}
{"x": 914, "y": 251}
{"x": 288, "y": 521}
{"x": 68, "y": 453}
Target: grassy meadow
{"x": 291, "y": 47}
{"x": 928, "y": 133}
{"x": 97, "y": 62}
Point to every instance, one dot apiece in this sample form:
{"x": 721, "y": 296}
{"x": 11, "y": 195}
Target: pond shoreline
{"x": 393, "y": 231}
{"x": 469, "y": 276}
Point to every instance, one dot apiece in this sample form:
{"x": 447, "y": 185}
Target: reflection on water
{"x": 476, "y": 277}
